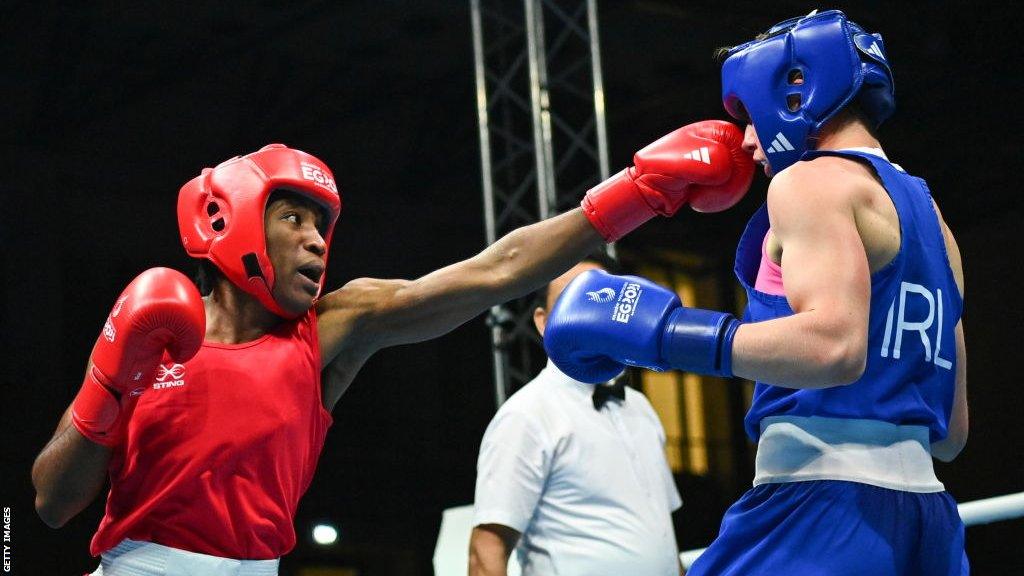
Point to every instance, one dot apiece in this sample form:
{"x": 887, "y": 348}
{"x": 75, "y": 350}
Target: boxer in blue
{"x": 852, "y": 330}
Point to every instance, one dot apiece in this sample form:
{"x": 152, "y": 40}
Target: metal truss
{"x": 540, "y": 106}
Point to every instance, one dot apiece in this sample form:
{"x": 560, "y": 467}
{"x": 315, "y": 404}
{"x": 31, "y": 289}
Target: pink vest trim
{"x": 769, "y": 274}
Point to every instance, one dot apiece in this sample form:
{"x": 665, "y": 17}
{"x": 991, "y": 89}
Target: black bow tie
{"x": 616, "y": 389}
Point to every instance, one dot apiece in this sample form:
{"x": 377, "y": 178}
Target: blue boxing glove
{"x": 602, "y": 322}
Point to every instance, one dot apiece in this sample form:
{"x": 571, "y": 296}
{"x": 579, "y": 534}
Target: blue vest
{"x": 915, "y": 306}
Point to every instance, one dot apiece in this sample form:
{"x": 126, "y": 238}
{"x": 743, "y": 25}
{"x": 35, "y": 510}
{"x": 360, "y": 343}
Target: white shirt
{"x": 591, "y": 491}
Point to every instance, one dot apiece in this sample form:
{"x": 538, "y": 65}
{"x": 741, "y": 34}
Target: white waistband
{"x": 795, "y": 449}
{"x": 135, "y": 558}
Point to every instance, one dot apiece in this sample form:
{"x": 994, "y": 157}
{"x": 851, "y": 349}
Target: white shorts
{"x": 136, "y": 558}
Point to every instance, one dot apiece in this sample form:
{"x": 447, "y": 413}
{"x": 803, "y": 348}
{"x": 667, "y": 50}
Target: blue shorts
{"x": 836, "y": 528}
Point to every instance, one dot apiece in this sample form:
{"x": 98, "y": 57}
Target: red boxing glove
{"x": 160, "y": 310}
{"x": 702, "y": 164}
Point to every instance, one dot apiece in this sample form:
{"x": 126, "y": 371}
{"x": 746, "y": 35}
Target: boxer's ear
{"x": 540, "y": 319}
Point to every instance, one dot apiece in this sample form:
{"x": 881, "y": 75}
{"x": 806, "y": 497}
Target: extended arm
{"x": 371, "y": 314}
{"x": 368, "y": 314}
{"x": 404, "y": 311}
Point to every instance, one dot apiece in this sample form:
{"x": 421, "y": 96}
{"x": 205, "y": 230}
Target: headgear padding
{"x": 838, "y": 62}
{"x": 220, "y": 213}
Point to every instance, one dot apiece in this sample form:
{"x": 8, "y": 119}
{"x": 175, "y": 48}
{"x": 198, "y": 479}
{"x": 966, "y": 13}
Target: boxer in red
{"x": 207, "y": 409}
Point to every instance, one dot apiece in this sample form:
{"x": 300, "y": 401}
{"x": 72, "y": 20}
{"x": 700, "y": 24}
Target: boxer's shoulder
{"x": 346, "y": 316}
{"x": 820, "y": 183}
{"x": 366, "y": 297}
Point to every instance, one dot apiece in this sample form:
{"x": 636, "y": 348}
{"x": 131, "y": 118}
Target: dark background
{"x": 109, "y": 108}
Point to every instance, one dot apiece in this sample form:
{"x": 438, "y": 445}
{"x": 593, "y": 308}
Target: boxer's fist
{"x": 714, "y": 195}
{"x": 160, "y": 310}
{"x": 702, "y": 164}
{"x": 601, "y": 322}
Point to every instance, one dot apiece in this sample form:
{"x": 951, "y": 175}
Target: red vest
{"x": 220, "y": 449}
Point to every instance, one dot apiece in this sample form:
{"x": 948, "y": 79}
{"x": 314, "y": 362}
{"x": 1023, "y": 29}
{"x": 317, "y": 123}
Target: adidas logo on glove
{"x": 700, "y": 155}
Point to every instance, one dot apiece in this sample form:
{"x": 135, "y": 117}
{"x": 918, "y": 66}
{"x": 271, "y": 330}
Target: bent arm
{"x": 828, "y": 286}
{"x": 392, "y": 312}
{"x": 948, "y": 448}
{"x": 68, "y": 474}
{"x": 489, "y": 548}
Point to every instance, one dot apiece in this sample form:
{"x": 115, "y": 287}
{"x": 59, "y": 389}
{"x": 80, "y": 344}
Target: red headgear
{"x": 220, "y": 213}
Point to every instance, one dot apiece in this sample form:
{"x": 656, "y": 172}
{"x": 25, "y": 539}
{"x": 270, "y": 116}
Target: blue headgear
{"x": 838, "y": 61}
